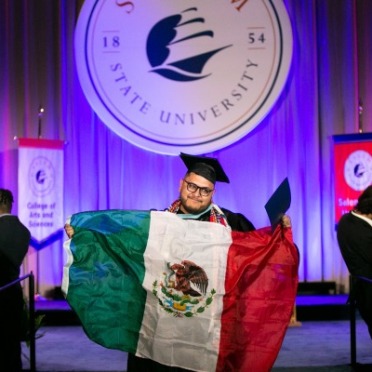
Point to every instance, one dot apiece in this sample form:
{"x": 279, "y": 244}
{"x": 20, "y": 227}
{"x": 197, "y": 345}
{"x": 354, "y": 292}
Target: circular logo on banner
{"x": 358, "y": 170}
{"x": 41, "y": 176}
{"x": 172, "y": 76}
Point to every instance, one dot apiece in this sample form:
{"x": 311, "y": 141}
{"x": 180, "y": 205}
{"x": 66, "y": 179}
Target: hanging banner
{"x": 352, "y": 169}
{"x": 170, "y": 77}
{"x": 40, "y": 189}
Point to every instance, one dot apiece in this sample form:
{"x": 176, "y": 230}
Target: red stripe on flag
{"x": 261, "y": 285}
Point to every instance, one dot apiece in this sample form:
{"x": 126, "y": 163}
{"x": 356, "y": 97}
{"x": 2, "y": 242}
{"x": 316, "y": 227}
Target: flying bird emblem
{"x": 167, "y": 34}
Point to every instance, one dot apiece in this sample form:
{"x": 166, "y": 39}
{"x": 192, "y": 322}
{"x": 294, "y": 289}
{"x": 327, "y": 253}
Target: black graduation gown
{"x": 14, "y": 242}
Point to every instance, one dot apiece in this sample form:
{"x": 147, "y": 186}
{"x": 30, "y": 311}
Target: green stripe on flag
{"x": 106, "y": 274}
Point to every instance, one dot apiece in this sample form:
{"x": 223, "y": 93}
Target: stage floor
{"x": 313, "y": 346}
{"x": 319, "y": 340}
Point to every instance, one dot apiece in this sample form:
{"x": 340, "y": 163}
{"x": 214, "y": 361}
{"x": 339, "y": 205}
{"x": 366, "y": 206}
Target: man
{"x": 354, "y": 234}
{"x": 195, "y": 201}
{"x": 196, "y": 191}
{"x": 14, "y": 242}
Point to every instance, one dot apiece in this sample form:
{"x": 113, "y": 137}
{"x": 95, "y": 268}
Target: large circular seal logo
{"x": 41, "y": 175}
{"x": 186, "y": 75}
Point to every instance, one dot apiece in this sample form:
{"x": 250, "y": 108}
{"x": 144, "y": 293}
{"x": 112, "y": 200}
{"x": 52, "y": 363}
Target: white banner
{"x": 40, "y": 189}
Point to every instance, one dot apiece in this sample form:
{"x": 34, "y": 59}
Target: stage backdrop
{"x": 329, "y": 76}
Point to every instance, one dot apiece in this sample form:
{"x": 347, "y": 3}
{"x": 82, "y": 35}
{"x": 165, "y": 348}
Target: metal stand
{"x": 352, "y": 313}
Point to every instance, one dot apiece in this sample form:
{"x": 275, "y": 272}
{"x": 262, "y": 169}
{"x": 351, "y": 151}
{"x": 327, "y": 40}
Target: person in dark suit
{"x": 354, "y": 235}
{"x": 14, "y": 242}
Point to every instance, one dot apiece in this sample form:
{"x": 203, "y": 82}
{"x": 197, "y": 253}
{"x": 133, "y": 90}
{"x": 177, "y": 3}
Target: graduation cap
{"x": 279, "y": 203}
{"x": 209, "y": 168}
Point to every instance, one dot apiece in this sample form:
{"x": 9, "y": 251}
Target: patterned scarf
{"x": 216, "y": 215}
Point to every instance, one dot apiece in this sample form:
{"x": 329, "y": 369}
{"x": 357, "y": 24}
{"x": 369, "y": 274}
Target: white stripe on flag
{"x": 167, "y": 335}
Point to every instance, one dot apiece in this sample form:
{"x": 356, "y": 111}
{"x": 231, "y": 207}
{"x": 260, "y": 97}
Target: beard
{"x": 192, "y": 206}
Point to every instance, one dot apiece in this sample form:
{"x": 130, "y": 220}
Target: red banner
{"x": 352, "y": 169}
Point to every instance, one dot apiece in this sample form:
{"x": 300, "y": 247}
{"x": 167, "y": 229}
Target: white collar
{"x": 362, "y": 217}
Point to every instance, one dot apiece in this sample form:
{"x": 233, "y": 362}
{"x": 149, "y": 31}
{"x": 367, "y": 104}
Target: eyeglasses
{"x": 204, "y": 191}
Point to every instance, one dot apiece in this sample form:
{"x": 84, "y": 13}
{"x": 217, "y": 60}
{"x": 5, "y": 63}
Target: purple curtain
{"x": 329, "y": 76}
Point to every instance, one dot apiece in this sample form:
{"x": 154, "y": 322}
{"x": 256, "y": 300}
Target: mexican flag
{"x": 184, "y": 293}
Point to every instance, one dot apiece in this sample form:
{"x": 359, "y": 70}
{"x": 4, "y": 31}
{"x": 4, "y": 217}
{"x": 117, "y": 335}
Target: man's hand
{"x": 69, "y": 230}
{"x": 286, "y": 221}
